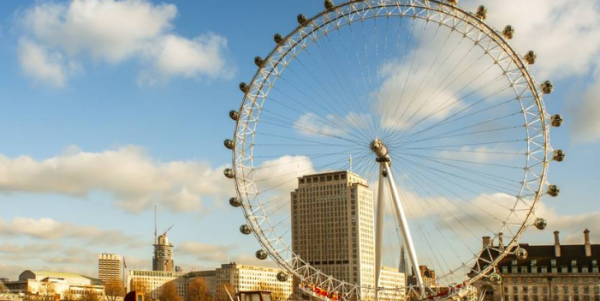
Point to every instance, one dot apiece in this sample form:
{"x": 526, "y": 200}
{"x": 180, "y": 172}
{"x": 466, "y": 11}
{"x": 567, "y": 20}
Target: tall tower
{"x": 110, "y": 267}
{"x": 333, "y": 225}
{"x": 163, "y": 250}
{"x": 163, "y": 254}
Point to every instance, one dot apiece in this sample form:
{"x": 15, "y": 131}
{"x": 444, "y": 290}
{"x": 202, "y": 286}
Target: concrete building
{"x": 427, "y": 274}
{"x": 241, "y": 277}
{"x": 110, "y": 267}
{"x": 249, "y": 277}
{"x": 55, "y": 283}
{"x": 394, "y": 280}
{"x": 151, "y": 282}
{"x": 333, "y": 228}
{"x": 163, "y": 254}
{"x": 550, "y": 272}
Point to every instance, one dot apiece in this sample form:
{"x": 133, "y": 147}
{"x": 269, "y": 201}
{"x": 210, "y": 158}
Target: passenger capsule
{"x": 508, "y": 32}
{"x": 540, "y": 223}
{"x": 235, "y": 202}
{"x": 234, "y": 115}
{"x": 301, "y": 19}
{"x": 261, "y": 254}
{"x": 453, "y": 2}
{"x": 282, "y": 276}
{"x": 530, "y": 57}
{"x": 495, "y": 278}
{"x": 556, "y": 120}
{"x": 277, "y": 38}
{"x": 244, "y": 87}
{"x": 558, "y": 155}
{"x": 329, "y": 4}
{"x": 245, "y": 229}
{"x": 521, "y": 253}
{"x": 553, "y": 190}
{"x": 547, "y": 87}
{"x": 481, "y": 12}
{"x": 228, "y": 172}
{"x": 258, "y": 61}
{"x": 230, "y": 144}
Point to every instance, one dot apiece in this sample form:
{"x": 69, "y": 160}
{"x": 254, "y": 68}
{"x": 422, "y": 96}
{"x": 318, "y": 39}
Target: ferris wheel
{"x": 380, "y": 140}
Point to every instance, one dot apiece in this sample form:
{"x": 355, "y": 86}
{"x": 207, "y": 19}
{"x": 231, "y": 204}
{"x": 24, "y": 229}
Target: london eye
{"x": 380, "y": 140}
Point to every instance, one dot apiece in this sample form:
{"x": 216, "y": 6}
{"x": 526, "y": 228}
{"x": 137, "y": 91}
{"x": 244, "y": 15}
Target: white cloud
{"x": 50, "y": 229}
{"x": 565, "y": 36}
{"x": 112, "y": 31}
{"x": 205, "y": 252}
{"x": 312, "y": 124}
{"x": 571, "y": 226}
{"x": 135, "y": 180}
{"x": 10, "y": 271}
{"x": 41, "y": 65}
{"x": 279, "y": 176}
{"x": 176, "y": 56}
{"x": 564, "y": 33}
{"x": 586, "y": 121}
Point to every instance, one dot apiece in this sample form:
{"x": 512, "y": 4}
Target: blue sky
{"x": 97, "y": 131}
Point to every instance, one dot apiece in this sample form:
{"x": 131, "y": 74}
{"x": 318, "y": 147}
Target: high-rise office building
{"x": 333, "y": 226}
{"x": 163, "y": 255}
{"x": 110, "y": 267}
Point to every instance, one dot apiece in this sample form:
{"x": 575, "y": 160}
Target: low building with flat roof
{"x": 46, "y": 282}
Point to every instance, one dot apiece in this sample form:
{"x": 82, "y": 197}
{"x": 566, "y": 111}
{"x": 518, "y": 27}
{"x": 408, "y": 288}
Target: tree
{"x": 114, "y": 289}
{"x": 198, "y": 290}
{"x": 47, "y": 292}
{"x": 90, "y": 295}
{"x": 224, "y": 290}
{"x": 169, "y": 292}
{"x": 142, "y": 288}
{"x": 68, "y": 295}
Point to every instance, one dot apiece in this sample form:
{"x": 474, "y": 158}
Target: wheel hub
{"x": 380, "y": 150}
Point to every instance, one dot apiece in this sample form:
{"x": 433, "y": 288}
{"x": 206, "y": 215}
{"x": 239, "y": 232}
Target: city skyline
{"x": 115, "y": 117}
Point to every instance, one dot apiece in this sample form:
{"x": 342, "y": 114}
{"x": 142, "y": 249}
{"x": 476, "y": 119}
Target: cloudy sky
{"x": 108, "y": 108}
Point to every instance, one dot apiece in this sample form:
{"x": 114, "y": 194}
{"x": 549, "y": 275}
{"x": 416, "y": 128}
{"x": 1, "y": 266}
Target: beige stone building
{"x": 248, "y": 277}
{"x": 151, "y": 282}
{"x": 333, "y": 229}
{"x": 333, "y": 225}
{"x": 55, "y": 283}
{"x": 241, "y": 277}
{"x": 394, "y": 280}
{"x": 550, "y": 272}
{"x": 110, "y": 267}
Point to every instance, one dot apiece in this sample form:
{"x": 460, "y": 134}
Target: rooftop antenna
{"x": 155, "y": 237}
{"x": 350, "y": 160}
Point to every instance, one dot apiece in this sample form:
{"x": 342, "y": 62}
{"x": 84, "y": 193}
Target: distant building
{"x": 241, "y": 277}
{"x": 395, "y": 282}
{"x": 50, "y": 283}
{"x": 427, "y": 274}
{"x": 249, "y": 277}
{"x": 151, "y": 282}
{"x": 550, "y": 272}
{"x": 110, "y": 267}
{"x": 163, "y": 255}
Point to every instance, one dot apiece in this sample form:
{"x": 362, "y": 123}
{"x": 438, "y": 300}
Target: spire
{"x": 155, "y": 237}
